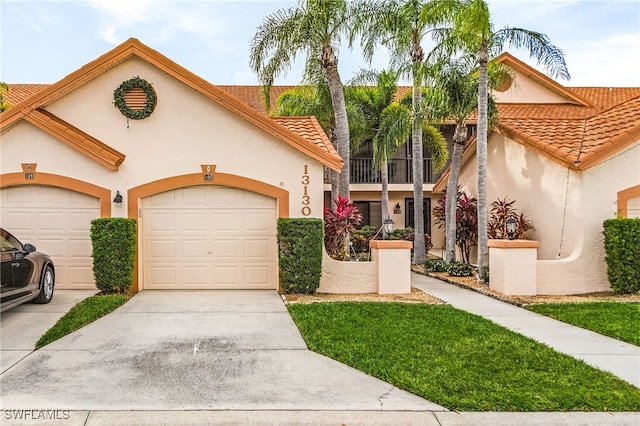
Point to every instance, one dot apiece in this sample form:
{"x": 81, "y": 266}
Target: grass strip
{"x": 458, "y": 360}
{"x": 614, "y": 319}
{"x": 83, "y": 313}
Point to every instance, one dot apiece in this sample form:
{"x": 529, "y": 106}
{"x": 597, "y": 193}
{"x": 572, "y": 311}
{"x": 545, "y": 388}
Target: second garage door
{"x": 209, "y": 237}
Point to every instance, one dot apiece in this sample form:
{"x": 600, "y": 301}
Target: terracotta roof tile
{"x": 608, "y": 119}
{"x": 19, "y": 92}
{"x": 308, "y": 128}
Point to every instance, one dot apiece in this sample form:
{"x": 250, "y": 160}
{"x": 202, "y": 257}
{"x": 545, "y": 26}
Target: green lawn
{"x": 83, "y": 313}
{"x": 458, "y": 360}
{"x": 614, "y": 319}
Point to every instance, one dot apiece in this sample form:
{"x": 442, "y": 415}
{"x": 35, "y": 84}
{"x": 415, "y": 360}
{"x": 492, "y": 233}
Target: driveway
{"x": 194, "y": 350}
{"x": 22, "y": 326}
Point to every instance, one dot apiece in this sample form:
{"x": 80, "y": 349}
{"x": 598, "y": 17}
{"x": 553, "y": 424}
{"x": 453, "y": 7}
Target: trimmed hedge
{"x": 114, "y": 241}
{"x": 622, "y": 247}
{"x": 300, "y": 245}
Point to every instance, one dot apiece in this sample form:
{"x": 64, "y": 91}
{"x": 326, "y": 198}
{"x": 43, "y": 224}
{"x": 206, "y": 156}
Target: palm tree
{"x": 401, "y": 26}
{"x": 457, "y": 86}
{"x": 316, "y": 100}
{"x": 472, "y": 31}
{"x": 314, "y": 28}
{"x": 4, "y": 88}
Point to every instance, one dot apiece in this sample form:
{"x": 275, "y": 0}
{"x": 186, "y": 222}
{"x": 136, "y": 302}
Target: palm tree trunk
{"x": 384, "y": 179}
{"x": 419, "y": 255}
{"x": 330, "y": 65}
{"x": 459, "y": 137}
{"x": 483, "y": 239}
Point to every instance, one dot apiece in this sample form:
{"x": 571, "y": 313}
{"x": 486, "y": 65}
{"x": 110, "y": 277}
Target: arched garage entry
{"x": 196, "y": 234}
{"x": 54, "y": 213}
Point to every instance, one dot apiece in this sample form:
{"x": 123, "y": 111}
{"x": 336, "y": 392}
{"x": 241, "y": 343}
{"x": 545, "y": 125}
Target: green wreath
{"x": 121, "y": 104}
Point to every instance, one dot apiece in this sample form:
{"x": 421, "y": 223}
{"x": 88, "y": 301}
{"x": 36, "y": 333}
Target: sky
{"x": 43, "y": 41}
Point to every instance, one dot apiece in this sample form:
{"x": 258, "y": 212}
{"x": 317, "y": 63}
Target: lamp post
{"x": 510, "y": 227}
{"x": 387, "y": 226}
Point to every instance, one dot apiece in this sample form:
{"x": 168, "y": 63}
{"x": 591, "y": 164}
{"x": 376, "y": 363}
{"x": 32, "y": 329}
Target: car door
{"x": 17, "y": 268}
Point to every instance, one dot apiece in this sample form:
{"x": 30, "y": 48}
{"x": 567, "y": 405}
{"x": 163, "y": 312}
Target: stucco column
{"x": 512, "y": 266}
{"x": 393, "y": 265}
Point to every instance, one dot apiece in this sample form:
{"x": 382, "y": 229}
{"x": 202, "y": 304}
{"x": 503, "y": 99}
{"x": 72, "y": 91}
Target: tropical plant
{"x": 4, "y": 88}
{"x": 316, "y": 100}
{"x": 436, "y": 265}
{"x": 472, "y": 32}
{"x": 460, "y": 269}
{"x": 501, "y": 211}
{"x": 401, "y": 26}
{"x": 314, "y": 29}
{"x": 457, "y": 88}
{"x": 338, "y": 226}
{"x": 408, "y": 234}
{"x": 466, "y": 221}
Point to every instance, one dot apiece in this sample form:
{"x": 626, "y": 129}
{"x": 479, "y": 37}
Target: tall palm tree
{"x": 457, "y": 86}
{"x": 472, "y": 31}
{"x": 316, "y": 100}
{"x": 314, "y": 28}
{"x": 402, "y": 26}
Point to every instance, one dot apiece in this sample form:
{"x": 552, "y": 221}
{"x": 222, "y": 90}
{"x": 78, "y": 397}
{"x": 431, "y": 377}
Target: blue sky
{"x": 42, "y": 41}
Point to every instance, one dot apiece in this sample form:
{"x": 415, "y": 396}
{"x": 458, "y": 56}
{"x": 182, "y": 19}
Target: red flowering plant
{"x": 466, "y": 221}
{"x": 338, "y": 226}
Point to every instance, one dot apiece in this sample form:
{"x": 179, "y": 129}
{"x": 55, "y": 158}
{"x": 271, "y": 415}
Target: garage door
{"x": 209, "y": 237}
{"x": 58, "y": 222}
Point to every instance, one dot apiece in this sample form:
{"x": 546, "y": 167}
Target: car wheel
{"x": 47, "y": 282}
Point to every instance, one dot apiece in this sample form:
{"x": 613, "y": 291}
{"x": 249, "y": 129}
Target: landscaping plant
{"x": 300, "y": 254}
{"x": 622, "y": 247}
{"x": 466, "y": 221}
{"x": 113, "y": 241}
{"x": 338, "y": 227}
{"x": 501, "y": 211}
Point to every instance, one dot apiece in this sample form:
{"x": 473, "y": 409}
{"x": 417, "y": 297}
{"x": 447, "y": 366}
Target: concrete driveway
{"x": 194, "y": 350}
{"x": 22, "y": 326}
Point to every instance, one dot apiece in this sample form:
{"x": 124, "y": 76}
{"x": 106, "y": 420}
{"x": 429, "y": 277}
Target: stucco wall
{"x": 347, "y": 277}
{"x": 566, "y": 207}
{"x": 524, "y": 89}
{"x": 185, "y": 131}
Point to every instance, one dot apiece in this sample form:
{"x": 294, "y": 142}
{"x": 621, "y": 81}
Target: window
{"x": 371, "y": 212}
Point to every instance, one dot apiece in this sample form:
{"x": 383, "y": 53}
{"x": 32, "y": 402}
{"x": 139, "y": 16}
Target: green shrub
{"x": 622, "y": 247}
{"x": 408, "y": 234}
{"x": 436, "y": 265}
{"x": 300, "y": 247}
{"x": 361, "y": 237}
{"x": 460, "y": 269}
{"x": 114, "y": 241}
{"x": 485, "y": 274}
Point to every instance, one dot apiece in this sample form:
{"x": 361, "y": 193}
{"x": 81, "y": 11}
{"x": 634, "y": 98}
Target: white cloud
{"x": 155, "y": 20}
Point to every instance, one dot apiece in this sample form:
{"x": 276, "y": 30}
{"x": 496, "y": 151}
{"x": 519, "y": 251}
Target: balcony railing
{"x": 362, "y": 170}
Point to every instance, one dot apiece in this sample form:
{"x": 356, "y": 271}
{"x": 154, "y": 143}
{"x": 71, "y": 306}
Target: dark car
{"x": 26, "y": 274}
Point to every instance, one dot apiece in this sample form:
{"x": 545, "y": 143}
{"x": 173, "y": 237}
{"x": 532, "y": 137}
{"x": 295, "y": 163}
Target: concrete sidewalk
{"x": 620, "y": 358}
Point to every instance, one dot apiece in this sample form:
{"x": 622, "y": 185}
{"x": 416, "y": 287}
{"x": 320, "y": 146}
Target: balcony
{"x": 400, "y": 171}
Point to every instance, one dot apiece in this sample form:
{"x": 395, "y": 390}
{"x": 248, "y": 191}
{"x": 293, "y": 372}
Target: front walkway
{"x": 605, "y": 353}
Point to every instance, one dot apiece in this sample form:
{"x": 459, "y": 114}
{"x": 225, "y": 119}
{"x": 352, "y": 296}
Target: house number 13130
{"x": 306, "y": 200}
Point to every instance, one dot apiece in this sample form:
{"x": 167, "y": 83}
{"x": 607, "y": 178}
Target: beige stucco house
{"x": 569, "y": 156}
{"x": 571, "y": 159}
{"x": 205, "y": 175}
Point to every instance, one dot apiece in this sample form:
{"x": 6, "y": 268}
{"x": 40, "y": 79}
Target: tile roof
{"x": 19, "y": 92}
{"x": 594, "y": 121}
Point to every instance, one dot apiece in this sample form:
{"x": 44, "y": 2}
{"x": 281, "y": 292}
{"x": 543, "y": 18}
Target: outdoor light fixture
{"x": 388, "y": 226}
{"x": 396, "y": 209}
{"x": 118, "y": 199}
{"x": 511, "y": 226}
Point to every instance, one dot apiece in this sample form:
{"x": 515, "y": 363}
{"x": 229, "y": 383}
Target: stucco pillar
{"x": 393, "y": 265}
{"x": 512, "y": 266}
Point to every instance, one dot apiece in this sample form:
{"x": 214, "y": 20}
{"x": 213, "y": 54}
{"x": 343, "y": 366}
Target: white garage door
{"x": 58, "y": 222}
{"x": 209, "y": 237}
